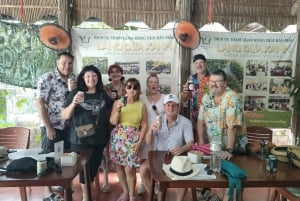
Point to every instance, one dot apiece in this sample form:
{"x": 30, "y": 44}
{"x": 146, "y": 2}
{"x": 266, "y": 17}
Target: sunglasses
{"x": 208, "y": 170}
{"x": 134, "y": 87}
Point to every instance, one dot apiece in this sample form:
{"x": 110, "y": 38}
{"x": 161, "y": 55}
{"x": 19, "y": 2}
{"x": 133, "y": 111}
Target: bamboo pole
{"x": 185, "y": 12}
{"x": 64, "y": 11}
{"x": 295, "y": 118}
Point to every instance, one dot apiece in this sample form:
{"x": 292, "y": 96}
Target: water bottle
{"x": 215, "y": 157}
{"x": 215, "y": 152}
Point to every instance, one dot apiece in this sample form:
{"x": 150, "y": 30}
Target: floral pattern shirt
{"x": 52, "y": 89}
{"x": 218, "y": 117}
{"x": 200, "y": 88}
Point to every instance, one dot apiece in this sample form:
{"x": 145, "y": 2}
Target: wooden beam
{"x": 185, "y": 12}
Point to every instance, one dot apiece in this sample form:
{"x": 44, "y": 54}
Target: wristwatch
{"x": 229, "y": 150}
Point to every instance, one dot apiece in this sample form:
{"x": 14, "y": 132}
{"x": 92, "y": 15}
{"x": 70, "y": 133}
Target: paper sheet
{"x": 33, "y": 153}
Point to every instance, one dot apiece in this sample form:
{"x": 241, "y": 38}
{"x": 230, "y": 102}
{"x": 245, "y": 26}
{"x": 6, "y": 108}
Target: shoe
{"x": 132, "y": 198}
{"x": 214, "y": 197}
{"x": 204, "y": 194}
{"x": 50, "y": 197}
{"x": 58, "y": 198}
{"x": 106, "y": 188}
{"x": 53, "y": 197}
{"x": 141, "y": 190}
{"x": 57, "y": 189}
{"x": 123, "y": 197}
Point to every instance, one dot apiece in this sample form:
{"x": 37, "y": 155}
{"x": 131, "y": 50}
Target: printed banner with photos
{"x": 137, "y": 52}
{"x": 257, "y": 64}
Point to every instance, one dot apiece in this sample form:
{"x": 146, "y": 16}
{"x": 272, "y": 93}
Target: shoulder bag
{"x": 87, "y": 130}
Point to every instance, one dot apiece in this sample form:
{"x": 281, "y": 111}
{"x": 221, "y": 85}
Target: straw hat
{"x": 181, "y": 167}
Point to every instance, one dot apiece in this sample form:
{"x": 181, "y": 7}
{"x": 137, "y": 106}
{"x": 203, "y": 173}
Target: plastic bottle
{"x": 215, "y": 152}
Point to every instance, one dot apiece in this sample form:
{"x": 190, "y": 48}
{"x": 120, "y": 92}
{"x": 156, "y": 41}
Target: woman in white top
{"x": 153, "y": 100}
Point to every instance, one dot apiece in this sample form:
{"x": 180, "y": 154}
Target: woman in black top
{"x": 94, "y": 108}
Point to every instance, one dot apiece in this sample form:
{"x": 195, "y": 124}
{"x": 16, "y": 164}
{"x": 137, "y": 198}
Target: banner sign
{"x": 137, "y": 52}
{"x": 257, "y": 64}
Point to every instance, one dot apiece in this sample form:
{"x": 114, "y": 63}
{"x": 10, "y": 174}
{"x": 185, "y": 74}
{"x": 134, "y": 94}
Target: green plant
{"x": 294, "y": 86}
{"x": 3, "y": 94}
{"x": 3, "y": 111}
{"x": 3, "y": 122}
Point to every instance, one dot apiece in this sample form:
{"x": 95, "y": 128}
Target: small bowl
{"x": 195, "y": 156}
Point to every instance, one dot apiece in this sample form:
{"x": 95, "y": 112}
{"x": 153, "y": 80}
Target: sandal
{"x": 123, "y": 197}
{"x": 204, "y": 194}
{"x": 106, "y": 188}
{"x": 141, "y": 189}
{"x": 132, "y": 199}
{"x": 53, "y": 197}
{"x": 50, "y": 197}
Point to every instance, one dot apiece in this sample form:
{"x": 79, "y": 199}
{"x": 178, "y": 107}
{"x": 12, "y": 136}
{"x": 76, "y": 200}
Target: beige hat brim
{"x": 170, "y": 174}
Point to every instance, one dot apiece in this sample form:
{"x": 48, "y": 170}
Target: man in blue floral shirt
{"x": 51, "y": 91}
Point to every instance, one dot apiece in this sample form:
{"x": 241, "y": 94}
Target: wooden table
{"x": 65, "y": 178}
{"x": 286, "y": 175}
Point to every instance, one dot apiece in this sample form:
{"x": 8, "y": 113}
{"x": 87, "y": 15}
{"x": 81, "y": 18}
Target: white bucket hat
{"x": 181, "y": 167}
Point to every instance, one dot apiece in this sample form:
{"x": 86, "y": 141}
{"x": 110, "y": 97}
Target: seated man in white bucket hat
{"x": 174, "y": 133}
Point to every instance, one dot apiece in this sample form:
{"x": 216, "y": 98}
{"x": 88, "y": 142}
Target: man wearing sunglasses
{"x": 220, "y": 115}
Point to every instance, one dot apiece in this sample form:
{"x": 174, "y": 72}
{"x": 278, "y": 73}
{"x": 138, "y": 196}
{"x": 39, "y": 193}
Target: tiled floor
{"x": 36, "y": 193}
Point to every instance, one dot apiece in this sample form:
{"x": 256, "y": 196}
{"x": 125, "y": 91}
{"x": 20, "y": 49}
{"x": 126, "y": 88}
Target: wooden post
{"x": 64, "y": 11}
{"x": 185, "y": 12}
{"x": 295, "y": 118}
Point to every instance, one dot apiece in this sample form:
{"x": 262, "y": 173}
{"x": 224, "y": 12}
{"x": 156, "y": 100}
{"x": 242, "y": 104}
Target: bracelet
{"x": 229, "y": 150}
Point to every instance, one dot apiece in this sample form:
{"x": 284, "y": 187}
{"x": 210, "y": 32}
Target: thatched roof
{"x": 275, "y": 15}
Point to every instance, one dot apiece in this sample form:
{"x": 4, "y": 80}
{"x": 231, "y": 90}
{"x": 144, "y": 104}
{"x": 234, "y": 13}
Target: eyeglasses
{"x": 216, "y": 81}
{"x": 134, "y": 87}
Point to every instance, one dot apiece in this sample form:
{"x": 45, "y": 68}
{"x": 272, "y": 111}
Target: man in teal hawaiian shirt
{"x": 220, "y": 113}
{"x": 220, "y": 116}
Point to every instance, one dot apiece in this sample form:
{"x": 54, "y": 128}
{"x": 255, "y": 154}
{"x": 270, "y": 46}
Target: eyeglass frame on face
{"x": 216, "y": 81}
{"x": 132, "y": 86}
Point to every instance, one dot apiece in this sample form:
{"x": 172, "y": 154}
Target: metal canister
{"x": 41, "y": 167}
{"x": 69, "y": 84}
{"x": 114, "y": 94}
{"x": 191, "y": 86}
{"x": 70, "y": 79}
{"x": 81, "y": 93}
{"x": 271, "y": 163}
{"x": 124, "y": 100}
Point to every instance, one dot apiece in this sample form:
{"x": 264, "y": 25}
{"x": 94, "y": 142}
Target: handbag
{"x": 22, "y": 166}
{"x": 87, "y": 130}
